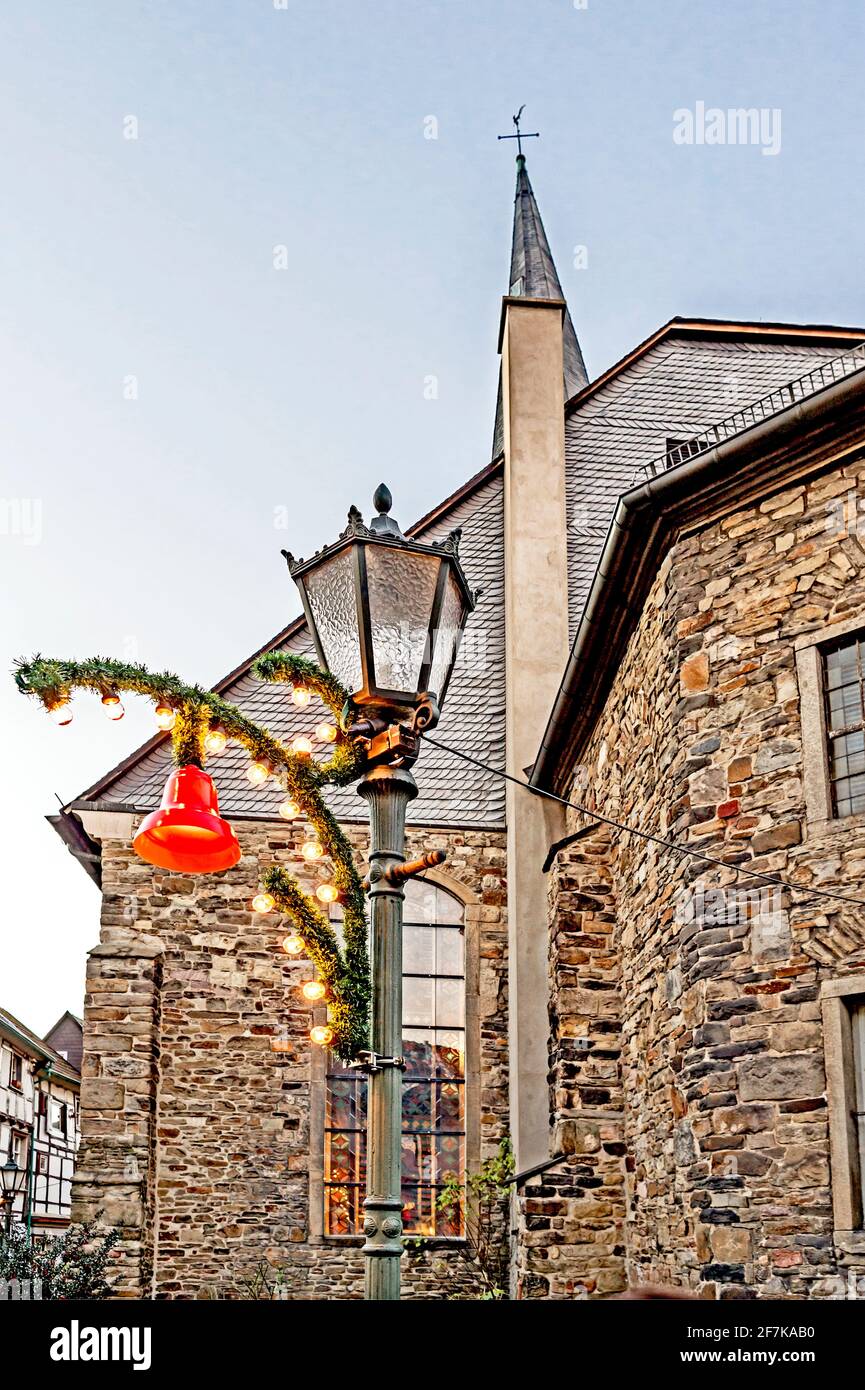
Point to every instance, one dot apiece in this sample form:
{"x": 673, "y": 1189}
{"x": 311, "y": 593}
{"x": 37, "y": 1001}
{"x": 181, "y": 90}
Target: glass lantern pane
{"x": 402, "y": 588}
{"x": 331, "y": 594}
{"x": 445, "y": 636}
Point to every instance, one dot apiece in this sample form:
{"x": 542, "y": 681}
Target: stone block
{"x": 791, "y": 1077}
{"x": 101, "y": 1095}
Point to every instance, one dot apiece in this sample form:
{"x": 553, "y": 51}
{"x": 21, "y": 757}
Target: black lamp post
{"x": 386, "y": 614}
{"x": 11, "y": 1182}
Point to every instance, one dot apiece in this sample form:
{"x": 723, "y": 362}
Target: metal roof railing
{"x": 836, "y": 369}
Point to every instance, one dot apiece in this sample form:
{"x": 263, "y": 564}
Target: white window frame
{"x": 57, "y": 1129}
{"x": 816, "y": 779}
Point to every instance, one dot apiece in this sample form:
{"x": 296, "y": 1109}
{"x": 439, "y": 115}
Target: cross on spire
{"x": 521, "y": 135}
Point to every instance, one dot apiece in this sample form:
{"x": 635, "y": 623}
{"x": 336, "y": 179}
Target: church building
{"x": 643, "y": 958}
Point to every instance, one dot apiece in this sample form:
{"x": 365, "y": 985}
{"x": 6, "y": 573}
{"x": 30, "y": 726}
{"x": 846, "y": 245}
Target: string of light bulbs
{"x": 186, "y": 834}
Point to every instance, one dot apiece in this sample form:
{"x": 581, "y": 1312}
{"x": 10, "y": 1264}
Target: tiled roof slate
{"x": 678, "y": 388}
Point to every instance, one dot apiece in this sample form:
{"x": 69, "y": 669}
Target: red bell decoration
{"x": 187, "y": 833}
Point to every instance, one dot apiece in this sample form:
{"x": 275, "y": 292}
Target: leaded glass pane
{"x": 418, "y": 1210}
{"x": 421, "y": 901}
{"x": 425, "y": 901}
{"x": 343, "y": 1210}
{"x": 844, "y": 716}
{"x": 450, "y": 1003}
{"x": 448, "y": 1157}
{"x": 418, "y": 950}
{"x": 449, "y": 1105}
{"x": 449, "y": 1052}
{"x": 345, "y": 1157}
{"x": 418, "y": 1000}
{"x": 346, "y": 1102}
{"x": 330, "y": 592}
{"x": 434, "y": 1051}
{"x": 418, "y": 1046}
{"x": 402, "y": 587}
{"x": 449, "y": 951}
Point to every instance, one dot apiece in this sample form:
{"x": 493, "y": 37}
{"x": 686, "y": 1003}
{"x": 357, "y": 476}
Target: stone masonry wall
{"x": 199, "y": 1141}
{"x": 114, "y": 1173}
{"x": 570, "y": 1240}
{"x": 722, "y": 1061}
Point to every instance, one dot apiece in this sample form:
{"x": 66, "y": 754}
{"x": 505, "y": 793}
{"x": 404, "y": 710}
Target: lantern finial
{"x": 384, "y": 525}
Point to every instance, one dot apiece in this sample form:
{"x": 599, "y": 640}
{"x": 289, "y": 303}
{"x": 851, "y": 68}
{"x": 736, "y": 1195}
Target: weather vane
{"x": 521, "y": 135}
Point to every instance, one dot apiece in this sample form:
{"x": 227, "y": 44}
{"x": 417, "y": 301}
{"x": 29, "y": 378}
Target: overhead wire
{"x": 774, "y": 879}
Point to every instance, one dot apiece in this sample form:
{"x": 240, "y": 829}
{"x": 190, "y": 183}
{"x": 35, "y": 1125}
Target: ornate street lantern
{"x": 386, "y": 613}
{"x": 11, "y": 1177}
{"x": 11, "y": 1181}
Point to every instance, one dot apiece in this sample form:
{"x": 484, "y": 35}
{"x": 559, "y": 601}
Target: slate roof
{"x": 689, "y": 376}
{"x": 473, "y": 717}
{"x": 534, "y": 276}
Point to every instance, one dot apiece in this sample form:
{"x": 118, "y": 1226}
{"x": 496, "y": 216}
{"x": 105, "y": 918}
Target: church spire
{"x": 534, "y": 276}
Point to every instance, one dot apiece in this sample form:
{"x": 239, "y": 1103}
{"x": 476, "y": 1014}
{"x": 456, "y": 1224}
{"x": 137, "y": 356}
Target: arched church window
{"x": 433, "y": 1105}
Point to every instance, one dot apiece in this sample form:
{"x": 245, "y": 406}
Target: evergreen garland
{"x": 345, "y": 971}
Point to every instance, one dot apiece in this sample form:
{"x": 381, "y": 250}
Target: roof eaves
{"x": 36, "y": 1045}
{"x": 78, "y": 842}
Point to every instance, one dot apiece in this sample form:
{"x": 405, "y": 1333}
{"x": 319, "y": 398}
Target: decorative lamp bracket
{"x": 373, "y": 1062}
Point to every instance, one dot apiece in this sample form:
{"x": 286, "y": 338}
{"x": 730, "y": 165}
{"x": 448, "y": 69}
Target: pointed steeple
{"x": 534, "y": 276}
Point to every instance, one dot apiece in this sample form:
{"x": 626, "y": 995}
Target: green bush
{"x": 71, "y": 1265}
{"x": 485, "y": 1203}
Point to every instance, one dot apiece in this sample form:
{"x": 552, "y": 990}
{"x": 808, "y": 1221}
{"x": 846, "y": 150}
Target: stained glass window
{"x": 433, "y": 1106}
{"x": 845, "y": 719}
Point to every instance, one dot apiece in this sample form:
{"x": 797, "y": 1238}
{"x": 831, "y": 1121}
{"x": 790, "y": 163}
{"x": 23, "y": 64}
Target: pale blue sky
{"x": 299, "y": 389}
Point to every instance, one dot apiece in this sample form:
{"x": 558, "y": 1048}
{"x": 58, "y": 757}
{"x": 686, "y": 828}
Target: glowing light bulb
{"x": 300, "y": 695}
{"x": 62, "y": 713}
{"x": 257, "y": 773}
{"x": 326, "y": 732}
{"x": 313, "y": 990}
{"x": 327, "y": 892}
{"x": 293, "y": 945}
{"x": 289, "y": 809}
{"x": 112, "y": 706}
{"x": 311, "y": 849}
{"x": 165, "y": 717}
{"x": 215, "y": 740}
{"x": 321, "y": 1034}
{"x": 302, "y": 745}
{"x": 263, "y": 902}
